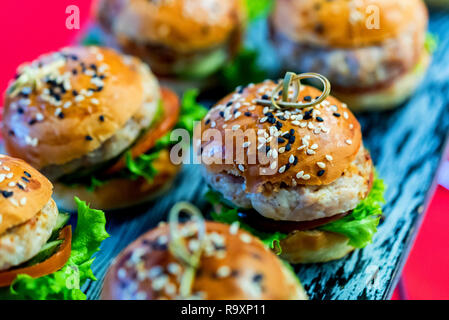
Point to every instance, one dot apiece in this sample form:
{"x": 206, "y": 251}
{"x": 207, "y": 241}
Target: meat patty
{"x": 21, "y": 243}
{"x": 303, "y": 202}
{"x": 122, "y": 139}
{"x": 359, "y": 67}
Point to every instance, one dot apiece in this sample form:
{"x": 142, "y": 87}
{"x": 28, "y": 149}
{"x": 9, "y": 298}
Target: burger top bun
{"x": 314, "y": 145}
{"x": 234, "y": 265}
{"x": 343, "y": 23}
{"x": 23, "y": 192}
{"x": 185, "y": 25}
{"x": 66, "y": 104}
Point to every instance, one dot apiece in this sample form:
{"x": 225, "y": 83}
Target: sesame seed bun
{"x": 235, "y": 265}
{"x": 24, "y": 192}
{"x": 181, "y": 24}
{"x": 120, "y": 193}
{"x": 328, "y": 139}
{"x": 95, "y": 93}
{"x": 342, "y": 23}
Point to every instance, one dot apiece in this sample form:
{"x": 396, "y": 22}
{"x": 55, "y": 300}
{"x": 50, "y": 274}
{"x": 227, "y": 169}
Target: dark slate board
{"x": 406, "y": 146}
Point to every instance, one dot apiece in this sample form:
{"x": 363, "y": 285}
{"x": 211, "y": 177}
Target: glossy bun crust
{"x": 235, "y": 266}
{"x": 23, "y": 192}
{"x": 343, "y": 23}
{"x": 328, "y": 139}
{"x": 91, "y": 94}
{"x": 184, "y": 25}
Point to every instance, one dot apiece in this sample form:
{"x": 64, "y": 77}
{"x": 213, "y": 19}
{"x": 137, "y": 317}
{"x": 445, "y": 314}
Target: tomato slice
{"x": 170, "y": 118}
{"x": 52, "y": 264}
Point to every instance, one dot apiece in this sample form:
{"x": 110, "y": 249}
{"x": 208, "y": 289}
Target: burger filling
{"x": 37, "y": 263}
{"x": 351, "y": 205}
{"x": 141, "y": 166}
{"x": 362, "y": 68}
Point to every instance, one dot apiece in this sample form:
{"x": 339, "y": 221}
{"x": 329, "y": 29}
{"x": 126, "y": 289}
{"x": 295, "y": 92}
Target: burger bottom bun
{"x": 313, "y": 246}
{"x": 389, "y": 97}
{"x": 120, "y": 193}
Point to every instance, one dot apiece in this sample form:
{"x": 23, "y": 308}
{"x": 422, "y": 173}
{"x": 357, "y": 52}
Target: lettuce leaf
{"x": 431, "y": 42}
{"x": 359, "y": 226}
{"x": 258, "y": 8}
{"x": 65, "y": 284}
{"x": 242, "y": 70}
{"x": 142, "y": 166}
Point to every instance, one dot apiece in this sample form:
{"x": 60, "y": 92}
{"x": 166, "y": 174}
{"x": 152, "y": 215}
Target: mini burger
{"x": 199, "y": 260}
{"x": 38, "y": 255}
{"x": 97, "y": 124}
{"x": 184, "y": 41}
{"x": 373, "y": 51}
{"x": 287, "y": 161}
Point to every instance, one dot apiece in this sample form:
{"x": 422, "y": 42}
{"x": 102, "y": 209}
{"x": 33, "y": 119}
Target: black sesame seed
{"x": 74, "y": 72}
{"x": 27, "y": 174}
{"x": 101, "y": 118}
{"x": 286, "y": 136}
{"x": 207, "y": 121}
{"x": 320, "y": 173}
{"x": 282, "y": 118}
{"x": 20, "y": 110}
{"x": 267, "y": 148}
{"x": 319, "y": 119}
{"x": 307, "y": 116}
{"x": 278, "y": 125}
{"x": 288, "y": 147}
{"x": 75, "y": 93}
{"x": 222, "y": 114}
{"x": 7, "y": 194}
{"x": 61, "y": 115}
{"x": 272, "y": 120}
{"x": 295, "y": 162}
{"x": 239, "y": 89}
{"x": 20, "y": 186}
{"x": 32, "y": 121}
{"x": 336, "y": 114}
{"x": 229, "y": 104}
{"x": 11, "y": 133}
{"x": 292, "y": 132}
{"x": 93, "y": 66}
{"x": 287, "y": 166}
{"x": 269, "y": 114}
{"x": 265, "y": 97}
{"x": 89, "y": 138}
{"x": 25, "y": 179}
{"x": 308, "y": 98}
{"x": 258, "y": 277}
{"x": 248, "y": 114}
{"x": 234, "y": 111}
{"x": 281, "y": 140}
{"x": 292, "y": 139}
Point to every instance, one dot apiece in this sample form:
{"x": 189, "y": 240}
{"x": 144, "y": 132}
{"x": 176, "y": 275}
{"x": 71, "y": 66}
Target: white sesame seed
{"x": 322, "y": 165}
{"x": 310, "y": 152}
{"x": 306, "y": 177}
{"x": 79, "y": 98}
{"x": 282, "y": 169}
{"x": 314, "y": 146}
{"x": 349, "y": 141}
{"x": 223, "y": 271}
{"x": 2, "y": 177}
{"x": 6, "y": 168}
{"x": 174, "y": 268}
{"x": 345, "y": 115}
{"x": 281, "y": 149}
{"x": 261, "y": 139}
{"x": 234, "y": 228}
{"x": 235, "y": 127}
{"x": 291, "y": 159}
{"x": 351, "y": 126}
{"x": 246, "y": 144}
{"x": 299, "y": 174}
{"x": 94, "y": 101}
{"x": 245, "y": 238}
{"x": 14, "y": 202}
{"x": 241, "y": 167}
{"x": 273, "y": 165}
{"x": 9, "y": 175}
{"x": 39, "y": 117}
{"x": 262, "y": 120}
{"x": 12, "y": 184}
{"x": 329, "y": 158}
{"x": 23, "y": 201}
{"x": 296, "y": 123}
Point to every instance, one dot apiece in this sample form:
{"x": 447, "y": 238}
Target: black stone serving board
{"x": 406, "y": 145}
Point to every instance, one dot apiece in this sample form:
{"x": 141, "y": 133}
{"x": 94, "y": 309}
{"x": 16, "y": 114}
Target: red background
{"x": 29, "y": 28}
